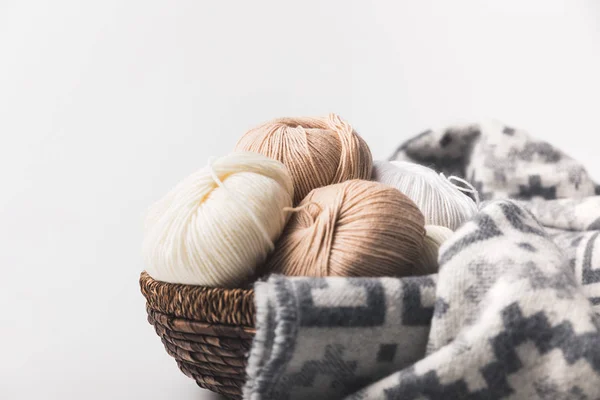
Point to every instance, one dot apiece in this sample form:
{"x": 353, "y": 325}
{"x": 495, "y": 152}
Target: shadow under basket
{"x": 207, "y": 330}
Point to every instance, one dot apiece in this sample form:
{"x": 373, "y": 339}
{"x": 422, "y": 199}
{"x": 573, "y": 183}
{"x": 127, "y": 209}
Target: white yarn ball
{"x": 217, "y": 225}
{"x": 435, "y": 236}
{"x": 440, "y": 201}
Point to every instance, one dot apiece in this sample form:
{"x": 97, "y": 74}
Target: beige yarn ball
{"x": 317, "y": 151}
{"x": 435, "y": 236}
{"x": 217, "y": 225}
{"x": 354, "y": 228}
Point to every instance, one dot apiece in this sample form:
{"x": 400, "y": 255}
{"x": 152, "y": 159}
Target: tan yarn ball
{"x": 354, "y": 228}
{"x": 317, "y": 151}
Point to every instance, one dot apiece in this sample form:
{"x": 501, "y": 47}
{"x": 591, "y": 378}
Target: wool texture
{"x": 512, "y": 312}
{"x": 353, "y": 228}
{"x": 441, "y": 201}
{"x": 217, "y": 225}
{"x": 500, "y": 161}
{"x": 318, "y": 151}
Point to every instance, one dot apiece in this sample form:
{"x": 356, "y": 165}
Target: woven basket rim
{"x": 223, "y": 306}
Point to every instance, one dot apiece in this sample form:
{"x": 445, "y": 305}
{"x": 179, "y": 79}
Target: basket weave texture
{"x": 207, "y": 330}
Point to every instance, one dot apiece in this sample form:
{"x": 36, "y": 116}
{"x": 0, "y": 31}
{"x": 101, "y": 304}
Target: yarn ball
{"x": 354, "y": 228}
{"x": 435, "y": 236}
{"x": 441, "y": 202}
{"x": 219, "y": 223}
{"x": 317, "y": 151}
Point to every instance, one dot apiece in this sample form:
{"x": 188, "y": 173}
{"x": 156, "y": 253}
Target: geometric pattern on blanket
{"x": 358, "y": 330}
{"x": 512, "y": 312}
{"x": 525, "y": 330}
{"x": 501, "y": 161}
{"x": 519, "y": 330}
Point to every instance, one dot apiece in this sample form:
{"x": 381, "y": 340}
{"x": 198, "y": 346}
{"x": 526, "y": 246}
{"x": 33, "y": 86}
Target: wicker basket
{"x": 207, "y": 330}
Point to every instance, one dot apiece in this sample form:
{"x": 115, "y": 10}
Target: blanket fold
{"x": 511, "y": 313}
{"x": 323, "y": 338}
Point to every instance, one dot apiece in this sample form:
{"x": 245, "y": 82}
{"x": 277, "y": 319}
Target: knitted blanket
{"x": 511, "y": 313}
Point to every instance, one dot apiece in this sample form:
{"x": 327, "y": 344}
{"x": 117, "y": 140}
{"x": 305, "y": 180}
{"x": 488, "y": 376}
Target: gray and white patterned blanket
{"x": 511, "y": 313}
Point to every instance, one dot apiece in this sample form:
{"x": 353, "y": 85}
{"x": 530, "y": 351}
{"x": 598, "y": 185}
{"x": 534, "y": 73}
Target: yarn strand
{"x": 252, "y": 215}
{"x": 468, "y": 189}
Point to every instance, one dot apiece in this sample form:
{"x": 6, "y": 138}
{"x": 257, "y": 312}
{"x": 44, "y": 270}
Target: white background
{"x": 105, "y": 105}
